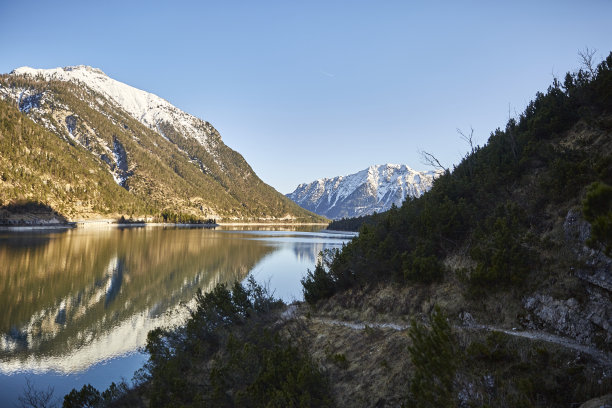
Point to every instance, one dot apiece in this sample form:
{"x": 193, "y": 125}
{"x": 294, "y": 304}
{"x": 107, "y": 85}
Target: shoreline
{"x": 36, "y": 227}
{"x": 83, "y": 223}
{"x": 112, "y": 223}
{"x": 263, "y": 224}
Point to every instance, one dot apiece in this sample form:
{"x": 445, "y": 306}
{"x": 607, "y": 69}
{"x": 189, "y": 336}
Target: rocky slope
{"x": 159, "y": 156}
{"x": 374, "y": 189}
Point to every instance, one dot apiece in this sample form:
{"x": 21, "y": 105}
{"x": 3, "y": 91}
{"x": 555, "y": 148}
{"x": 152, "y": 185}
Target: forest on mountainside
{"x": 74, "y": 132}
{"x": 498, "y": 207}
{"x": 510, "y": 248}
{"x": 36, "y": 165}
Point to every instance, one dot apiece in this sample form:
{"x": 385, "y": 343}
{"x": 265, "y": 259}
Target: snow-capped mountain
{"x": 374, "y": 189}
{"x": 159, "y": 156}
{"x": 147, "y": 108}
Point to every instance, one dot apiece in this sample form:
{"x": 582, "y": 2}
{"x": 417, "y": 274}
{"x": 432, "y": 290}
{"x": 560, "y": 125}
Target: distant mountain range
{"x": 374, "y": 189}
{"x": 99, "y": 147}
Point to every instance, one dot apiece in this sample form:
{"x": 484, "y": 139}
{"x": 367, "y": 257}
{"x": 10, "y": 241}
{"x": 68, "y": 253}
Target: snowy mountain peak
{"x": 147, "y": 108}
{"x": 34, "y": 71}
{"x": 376, "y": 188}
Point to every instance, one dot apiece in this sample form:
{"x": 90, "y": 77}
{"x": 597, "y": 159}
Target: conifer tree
{"x": 434, "y": 356}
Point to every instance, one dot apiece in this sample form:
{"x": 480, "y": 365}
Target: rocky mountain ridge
{"x": 374, "y": 189}
{"x": 149, "y": 109}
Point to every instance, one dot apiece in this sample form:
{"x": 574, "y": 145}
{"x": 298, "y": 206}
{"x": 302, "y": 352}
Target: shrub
{"x": 500, "y": 252}
{"x": 87, "y": 397}
{"x": 597, "y": 209}
{"x": 317, "y": 285}
{"x": 228, "y": 354}
{"x": 422, "y": 266}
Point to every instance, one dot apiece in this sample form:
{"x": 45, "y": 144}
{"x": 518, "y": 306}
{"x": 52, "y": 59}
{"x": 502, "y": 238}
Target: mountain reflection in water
{"x": 92, "y": 295}
{"x": 73, "y": 299}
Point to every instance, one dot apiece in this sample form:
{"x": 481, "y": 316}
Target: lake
{"x": 78, "y": 304}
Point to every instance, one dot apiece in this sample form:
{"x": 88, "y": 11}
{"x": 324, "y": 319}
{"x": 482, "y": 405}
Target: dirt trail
{"x": 600, "y": 356}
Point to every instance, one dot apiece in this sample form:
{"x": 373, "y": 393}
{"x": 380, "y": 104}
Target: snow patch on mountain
{"x": 120, "y": 173}
{"x": 71, "y": 122}
{"x": 374, "y": 189}
{"x": 28, "y": 102}
{"x": 147, "y": 108}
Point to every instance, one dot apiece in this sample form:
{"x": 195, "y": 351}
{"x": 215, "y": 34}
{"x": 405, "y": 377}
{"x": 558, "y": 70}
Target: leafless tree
{"x": 586, "y": 58}
{"x": 469, "y": 139}
{"x": 32, "y": 397}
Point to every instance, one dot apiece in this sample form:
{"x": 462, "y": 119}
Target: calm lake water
{"x": 77, "y": 305}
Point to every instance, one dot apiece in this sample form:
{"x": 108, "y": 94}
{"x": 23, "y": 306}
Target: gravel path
{"x": 602, "y": 357}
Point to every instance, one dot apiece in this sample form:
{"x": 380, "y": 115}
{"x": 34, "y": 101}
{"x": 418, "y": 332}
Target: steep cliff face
{"x": 585, "y": 316}
{"x": 163, "y": 157}
{"x": 374, "y": 189}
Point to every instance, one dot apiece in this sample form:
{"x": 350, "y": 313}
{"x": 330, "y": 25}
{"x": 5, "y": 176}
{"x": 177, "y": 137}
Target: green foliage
{"x": 350, "y": 224}
{"x": 38, "y": 166}
{"x": 435, "y": 358}
{"x": 227, "y": 355}
{"x": 502, "y": 256}
{"x": 340, "y": 360}
{"x": 325, "y": 280}
{"x": 597, "y": 209}
{"x": 570, "y": 171}
{"x": 86, "y": 397}
{"x": 422, "y": 265}
{"x": 318, "y": 284}
{"x": 90, "y": 397}
{"x": 267, "y": 372}
{"x": 168, "y": 216}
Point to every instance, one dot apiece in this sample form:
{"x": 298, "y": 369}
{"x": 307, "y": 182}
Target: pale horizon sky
{"x": 306, "y": 90}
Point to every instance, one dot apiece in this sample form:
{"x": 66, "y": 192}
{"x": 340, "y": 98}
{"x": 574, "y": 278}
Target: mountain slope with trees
{"x": 516, "y": 236}
{"x": 71, "y": 142}
{"x": 507, "y": 207}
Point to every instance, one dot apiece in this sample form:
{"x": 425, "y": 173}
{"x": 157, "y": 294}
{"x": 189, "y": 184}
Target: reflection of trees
{"x": 80, "y": 286}
{"x": 309, "y": 252}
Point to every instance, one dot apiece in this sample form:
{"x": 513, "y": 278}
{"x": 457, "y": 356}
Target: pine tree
{"x": 434, "y": 356}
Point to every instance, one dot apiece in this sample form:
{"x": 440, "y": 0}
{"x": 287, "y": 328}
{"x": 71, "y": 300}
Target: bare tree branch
{"x": 469, "y": 139}
{"x": 35, "y": 398}
{"x": 430, "y": 160}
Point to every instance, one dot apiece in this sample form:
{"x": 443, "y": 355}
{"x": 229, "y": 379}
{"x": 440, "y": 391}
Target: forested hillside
{"x": 502, "y": 209}
{"x": 506, "y": 260}
{"x": 503, "y": 269}
{"x": 66, "y": 144}
{"x": 36, "y": 165}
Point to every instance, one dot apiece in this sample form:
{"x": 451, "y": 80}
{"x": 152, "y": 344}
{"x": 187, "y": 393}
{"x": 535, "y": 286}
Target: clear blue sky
{"x": 315, "y": 89}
